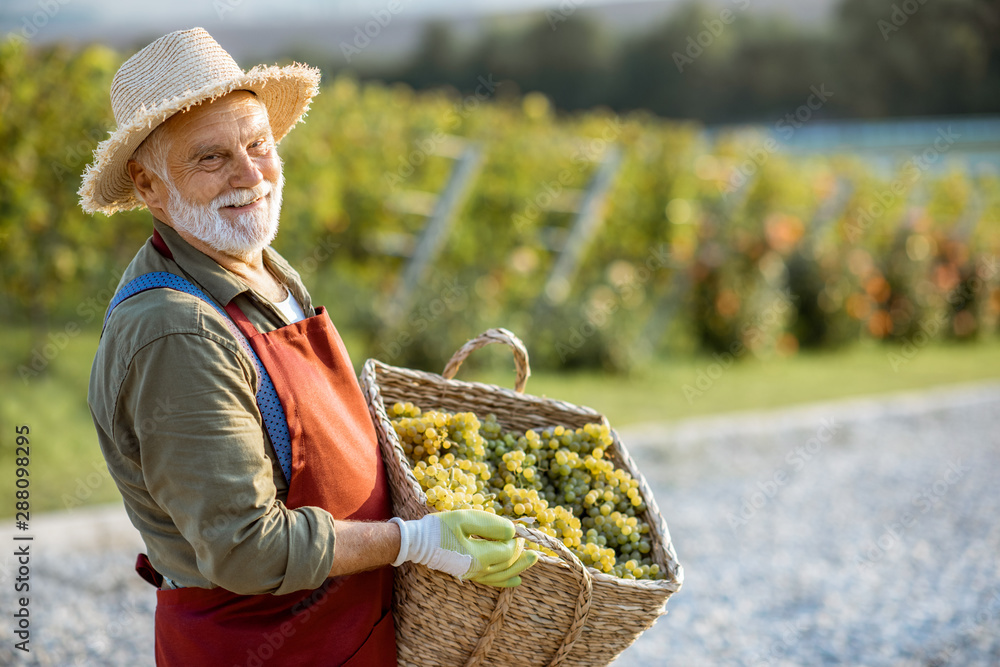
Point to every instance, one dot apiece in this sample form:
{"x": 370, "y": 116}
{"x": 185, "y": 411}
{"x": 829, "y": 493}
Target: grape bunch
{"x": 558, "y": 476}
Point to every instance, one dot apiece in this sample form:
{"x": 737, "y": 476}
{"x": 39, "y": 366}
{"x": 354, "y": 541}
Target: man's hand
{"x": 469, "y": 544}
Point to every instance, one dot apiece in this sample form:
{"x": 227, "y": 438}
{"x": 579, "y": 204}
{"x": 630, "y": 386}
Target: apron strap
{"x": 267, "y": 397}
{"x": 246, "y": 327}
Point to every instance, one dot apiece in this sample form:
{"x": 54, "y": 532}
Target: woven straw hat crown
{"x": 174, "y": 73}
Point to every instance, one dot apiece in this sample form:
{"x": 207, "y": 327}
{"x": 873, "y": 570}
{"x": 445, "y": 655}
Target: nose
{"x": 245, "y": 172}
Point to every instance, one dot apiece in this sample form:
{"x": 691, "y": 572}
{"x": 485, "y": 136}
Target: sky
{"x": 111, "y": 12}
{"x": 245, "y": 11}
{"x": 57, "y": 18}
{"x": 265, "y": 30}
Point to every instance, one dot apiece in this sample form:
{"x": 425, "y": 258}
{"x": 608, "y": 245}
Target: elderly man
{"x": 225, "y": 403}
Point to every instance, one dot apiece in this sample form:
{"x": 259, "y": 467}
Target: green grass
{"x": 67, "y": 468}
{"x": 657, "y": 393}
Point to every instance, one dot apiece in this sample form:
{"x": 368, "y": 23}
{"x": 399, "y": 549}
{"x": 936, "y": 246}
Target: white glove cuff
{"x": 420, "y": 542}
{"x": 404, "y": 542}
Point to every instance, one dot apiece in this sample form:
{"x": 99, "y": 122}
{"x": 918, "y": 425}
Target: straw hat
{"x": 174, "y": 73}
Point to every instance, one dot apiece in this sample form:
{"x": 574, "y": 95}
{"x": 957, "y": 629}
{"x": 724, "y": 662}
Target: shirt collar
{"x": 215, "y": 280}
{"x": 220, "y": 283}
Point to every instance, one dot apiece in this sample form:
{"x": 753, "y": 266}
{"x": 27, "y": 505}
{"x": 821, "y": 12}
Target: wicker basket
{"x": 563, "y": 612}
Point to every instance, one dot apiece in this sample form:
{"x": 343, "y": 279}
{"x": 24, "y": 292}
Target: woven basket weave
{"x": 563, "y": 612}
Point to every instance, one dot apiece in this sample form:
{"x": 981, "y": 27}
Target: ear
{"x": 150, "y": 187}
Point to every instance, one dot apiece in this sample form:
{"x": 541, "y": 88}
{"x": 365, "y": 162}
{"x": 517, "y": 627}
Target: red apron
{"x": 336, "y": 465}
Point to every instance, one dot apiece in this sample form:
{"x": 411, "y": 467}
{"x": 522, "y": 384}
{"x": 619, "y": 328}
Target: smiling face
{"x": 222, "y": 177}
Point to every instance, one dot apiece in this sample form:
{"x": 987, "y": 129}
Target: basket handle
{"x": 493, "y": 336}
{"x": 580, "y": 614}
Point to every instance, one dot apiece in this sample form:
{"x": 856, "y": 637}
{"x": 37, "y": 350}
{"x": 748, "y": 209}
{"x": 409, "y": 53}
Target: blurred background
{"x": 685, "y": 209}
{"x": 648, "y": 193}
{"x": 615, "y": 181}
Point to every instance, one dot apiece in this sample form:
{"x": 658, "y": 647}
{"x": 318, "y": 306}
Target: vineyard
{"x": 602, "y": 240}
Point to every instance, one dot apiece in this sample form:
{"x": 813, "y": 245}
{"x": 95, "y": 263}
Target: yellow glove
{"x": 468, "y": 544}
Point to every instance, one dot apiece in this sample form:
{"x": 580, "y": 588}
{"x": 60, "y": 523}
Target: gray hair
{"x": 152, "y": 155}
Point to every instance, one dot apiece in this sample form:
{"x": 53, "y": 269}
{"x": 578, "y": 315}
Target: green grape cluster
{"x": 558, "y": 476}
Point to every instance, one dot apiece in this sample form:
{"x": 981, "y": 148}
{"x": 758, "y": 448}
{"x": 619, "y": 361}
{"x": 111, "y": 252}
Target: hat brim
{"x": 285, "y": 92}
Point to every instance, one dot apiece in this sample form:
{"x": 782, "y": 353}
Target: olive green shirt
{"x": 172, "y": 397}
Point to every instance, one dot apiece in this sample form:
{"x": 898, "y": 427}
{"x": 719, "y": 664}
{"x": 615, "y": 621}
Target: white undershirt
{"x": 291, "y": 309}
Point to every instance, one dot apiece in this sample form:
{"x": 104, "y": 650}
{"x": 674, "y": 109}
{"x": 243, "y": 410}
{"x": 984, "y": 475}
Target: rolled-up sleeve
{"x": 198, "y": 436}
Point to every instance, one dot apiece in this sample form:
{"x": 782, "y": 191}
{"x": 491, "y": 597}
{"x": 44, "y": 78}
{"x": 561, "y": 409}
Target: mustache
{"x": 242, "y": 196}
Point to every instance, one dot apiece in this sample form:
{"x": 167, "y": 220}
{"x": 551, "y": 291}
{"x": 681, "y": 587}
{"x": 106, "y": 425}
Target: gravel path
{"x": 863, "y": 533}
{"x": 859, "y": 533}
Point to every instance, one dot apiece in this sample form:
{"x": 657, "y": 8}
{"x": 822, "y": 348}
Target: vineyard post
{"x": 435, "y": 232}
{"x": 589, "y": 218}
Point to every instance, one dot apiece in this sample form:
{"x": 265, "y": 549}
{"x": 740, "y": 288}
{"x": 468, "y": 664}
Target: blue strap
{"x": 267, "y": 397}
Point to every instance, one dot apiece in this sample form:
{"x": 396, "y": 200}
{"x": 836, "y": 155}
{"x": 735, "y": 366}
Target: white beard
{"x": 248, "y": 235}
